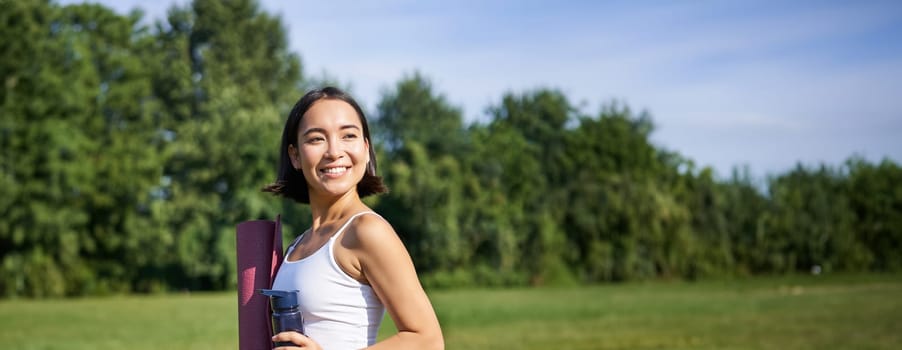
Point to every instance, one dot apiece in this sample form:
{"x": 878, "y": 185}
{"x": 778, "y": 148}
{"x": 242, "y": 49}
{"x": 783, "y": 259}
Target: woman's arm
{"x": 387, "y": 267}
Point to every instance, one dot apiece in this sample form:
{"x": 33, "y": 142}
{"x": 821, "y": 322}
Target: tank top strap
{"x": 294, "y": 243}
{"x": 337, "y": 233}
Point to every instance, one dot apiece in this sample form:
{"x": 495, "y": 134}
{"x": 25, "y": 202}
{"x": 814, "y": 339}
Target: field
{"x": 800, "y": 312}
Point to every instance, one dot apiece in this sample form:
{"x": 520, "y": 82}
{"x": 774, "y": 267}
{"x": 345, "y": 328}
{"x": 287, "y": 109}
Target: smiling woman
{"x": 331, "y": 151}
{"x": 321, "y": 105}
{"x": 349, "y": 266}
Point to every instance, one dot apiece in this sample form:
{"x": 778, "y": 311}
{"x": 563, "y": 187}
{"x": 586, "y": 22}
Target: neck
{"x": 330, "y": 209}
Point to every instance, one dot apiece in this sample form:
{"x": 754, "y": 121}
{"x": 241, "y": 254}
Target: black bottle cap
{"x": 281, "y": 299}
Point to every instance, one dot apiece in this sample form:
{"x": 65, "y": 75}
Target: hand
{"x": 302, "y": 341}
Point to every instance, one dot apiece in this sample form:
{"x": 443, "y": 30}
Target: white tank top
{"x": 339, "y": 312}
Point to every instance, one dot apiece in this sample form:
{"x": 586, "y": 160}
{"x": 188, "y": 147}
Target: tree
{"x": 875, "y": 200}
{"x": 811, "y": 223}
{"x": 414, "y": 112}
{"x": 422, "y": 134}
{"x": 622, "y": 220}
{"x": 227, "y": 80}
{"x": 522, "y": 159}
{"x": 744, "y": 209}
{"x": 79, "y": 150}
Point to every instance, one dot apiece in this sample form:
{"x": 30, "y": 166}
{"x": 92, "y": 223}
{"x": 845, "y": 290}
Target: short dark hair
{"x": 290, "y": 182}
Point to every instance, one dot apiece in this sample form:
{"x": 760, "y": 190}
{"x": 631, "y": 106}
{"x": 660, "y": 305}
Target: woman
{"x": 350, "y": 266}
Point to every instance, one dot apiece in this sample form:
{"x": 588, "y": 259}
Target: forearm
{"x": 412, "y": 340}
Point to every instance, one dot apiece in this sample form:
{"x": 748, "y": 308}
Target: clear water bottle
{"x": 286, "y": 314}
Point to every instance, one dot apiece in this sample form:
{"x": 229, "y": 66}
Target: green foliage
{"x": 810, "y": 223}
{"x": 413, "y": 112}
{"x": 555, "y": 196}
{"x": 235, "y": 81}
{"x": 875, "y": 200}
{"x": 130, "y": 152}
{"x": 425, "y": 203}
{"x": 81, "y": 153}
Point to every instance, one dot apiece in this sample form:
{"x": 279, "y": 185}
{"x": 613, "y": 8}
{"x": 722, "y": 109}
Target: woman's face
{"x": 331, "y": 150}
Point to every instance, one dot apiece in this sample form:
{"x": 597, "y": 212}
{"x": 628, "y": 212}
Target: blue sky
{"x": 728, "y": 83}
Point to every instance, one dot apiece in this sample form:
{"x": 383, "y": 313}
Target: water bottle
{"x": 286, "y": 315}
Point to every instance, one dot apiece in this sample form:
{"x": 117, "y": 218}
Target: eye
{"x": 315, "y": 139}
{"x": 350, "y": 136}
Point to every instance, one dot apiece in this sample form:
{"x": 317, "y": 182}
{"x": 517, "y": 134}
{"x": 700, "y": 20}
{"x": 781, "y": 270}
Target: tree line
{"x": 130, "y": 151}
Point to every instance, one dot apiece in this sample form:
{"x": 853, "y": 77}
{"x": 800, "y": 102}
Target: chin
{"x": 339, "y": 190}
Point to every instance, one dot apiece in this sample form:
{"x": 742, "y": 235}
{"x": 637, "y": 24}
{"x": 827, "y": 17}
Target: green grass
{"x": 836, "y": 312}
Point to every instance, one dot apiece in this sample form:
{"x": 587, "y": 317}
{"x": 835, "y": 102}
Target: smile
{"x": 335, "y": 170}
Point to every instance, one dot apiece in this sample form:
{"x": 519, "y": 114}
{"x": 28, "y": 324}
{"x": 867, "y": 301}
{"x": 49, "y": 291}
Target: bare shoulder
{"x": 371, "y": 231}
{"x": 369, "y": 242}
{"x": 382, "y": 259}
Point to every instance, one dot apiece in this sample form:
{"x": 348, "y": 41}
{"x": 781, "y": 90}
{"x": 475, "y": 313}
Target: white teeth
{"x": 335, "y": 170}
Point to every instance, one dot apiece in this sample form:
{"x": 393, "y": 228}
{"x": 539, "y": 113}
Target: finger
{"x": 288, "y": 348}
{"x": 293, "y": 338}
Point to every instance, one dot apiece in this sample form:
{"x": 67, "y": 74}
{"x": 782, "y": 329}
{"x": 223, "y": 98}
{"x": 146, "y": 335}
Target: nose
{"x": 333, "y": 151}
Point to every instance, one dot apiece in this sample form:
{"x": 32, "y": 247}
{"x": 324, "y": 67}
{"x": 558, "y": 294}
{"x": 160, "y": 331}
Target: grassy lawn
{"x": 802, "y": 312}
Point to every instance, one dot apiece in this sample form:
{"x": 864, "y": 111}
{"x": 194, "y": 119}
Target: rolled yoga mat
{"x": 259, "y": 254}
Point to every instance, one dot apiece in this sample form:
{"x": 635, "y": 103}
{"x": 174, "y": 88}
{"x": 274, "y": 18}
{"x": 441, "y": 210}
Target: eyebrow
{"x": 321, "y": 130}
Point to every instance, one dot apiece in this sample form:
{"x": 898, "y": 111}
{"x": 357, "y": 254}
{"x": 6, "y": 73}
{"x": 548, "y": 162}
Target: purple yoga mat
{"x": 259, "y": 254}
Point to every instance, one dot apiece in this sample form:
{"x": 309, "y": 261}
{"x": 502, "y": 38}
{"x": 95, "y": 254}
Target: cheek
{"x": 359, "y": 149}
{"x": 363, "y": 153}
{"x": 307, "y": 157}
